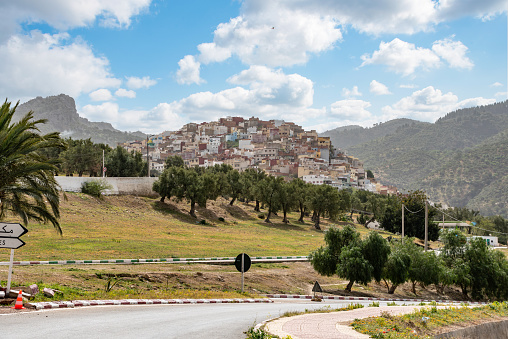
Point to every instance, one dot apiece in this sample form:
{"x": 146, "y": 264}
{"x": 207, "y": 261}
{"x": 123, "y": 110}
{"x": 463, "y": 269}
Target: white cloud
{"x": 273, "y": 34}
{"x": 402, "y": 57}
{"x": 137, "y": 83}
{"x": 454, "y": 52}
{"x": 453, "y": 9}
{"x": 429, "y": 104}
{"x": 210, "y": 52}
{"x": 496, "y": 84}
{"x": 124, "y": 93}
{"x": 351, "y": 93}
{"x": 351, "y": 110}
{"x": 107, "y": 111}
{"x": 405, "y": 58}
{"x": 188, "y": 72}
{"x": 378, "y": 88}
{"x": 163, "y": 116}
{"x": 271, "y": 87}
{"x": 289, "y": 32}
{"x": 101, "y": 95}
{"x": 64, "y": 14}
{"x": 48, "y": 64}
{"x": 410, "y": 86}
{"x": 260, "y": 91}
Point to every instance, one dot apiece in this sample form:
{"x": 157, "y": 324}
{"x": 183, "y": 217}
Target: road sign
{"x": 8, "y": 230}
{"x": 11, "y": 243}
{"x": 317, "y": 288}
{"x": 246, "y": 262}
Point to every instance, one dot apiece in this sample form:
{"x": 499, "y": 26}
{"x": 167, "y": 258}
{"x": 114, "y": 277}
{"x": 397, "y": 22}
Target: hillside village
{"x": 279, "y": 148}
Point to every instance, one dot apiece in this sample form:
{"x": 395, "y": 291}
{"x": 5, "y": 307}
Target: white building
{"x": 490, "y": 240}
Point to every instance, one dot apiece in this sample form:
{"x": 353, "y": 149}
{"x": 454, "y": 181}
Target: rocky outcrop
{"x": 62, "y": 116}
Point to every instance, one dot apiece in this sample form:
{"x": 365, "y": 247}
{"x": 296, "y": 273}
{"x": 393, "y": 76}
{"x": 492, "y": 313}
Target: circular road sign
{"x": 246, "y": 262}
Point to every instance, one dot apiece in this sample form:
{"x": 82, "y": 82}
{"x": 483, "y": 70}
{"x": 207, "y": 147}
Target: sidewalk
{"x": 330, "y": 325}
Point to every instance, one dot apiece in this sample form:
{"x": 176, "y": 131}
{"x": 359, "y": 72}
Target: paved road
{"x": 151, "y": 321}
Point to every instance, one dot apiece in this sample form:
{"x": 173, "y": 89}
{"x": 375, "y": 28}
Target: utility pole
{"x": 147, "y": 159}
{"x": 403, "y": 223}
{"x": 426, "y": 226}
{"x": 103, "y": 173}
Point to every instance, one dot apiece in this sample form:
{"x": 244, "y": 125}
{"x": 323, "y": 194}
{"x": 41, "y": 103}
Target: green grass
{"x": 134, "y": 227}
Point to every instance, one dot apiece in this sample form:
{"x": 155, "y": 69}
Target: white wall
{"x": 125, "y": 185}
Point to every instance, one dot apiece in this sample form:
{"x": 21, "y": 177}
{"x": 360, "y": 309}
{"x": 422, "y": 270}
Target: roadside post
{"x": 9, "y": 238}
{"x": 242, "y": 264}
{"x": 316, "y": 288}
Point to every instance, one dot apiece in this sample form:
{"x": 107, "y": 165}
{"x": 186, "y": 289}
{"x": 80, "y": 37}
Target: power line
{"x": 483, "y": 229}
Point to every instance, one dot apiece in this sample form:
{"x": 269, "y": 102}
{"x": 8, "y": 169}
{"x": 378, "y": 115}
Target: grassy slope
{"x": 136, "y": 227}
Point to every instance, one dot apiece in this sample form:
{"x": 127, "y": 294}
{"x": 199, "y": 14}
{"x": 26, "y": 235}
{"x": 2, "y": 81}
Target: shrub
{"x": 261, "y": 216}
{"x": 95, "y": 188}
{"x": 221, "y": 219}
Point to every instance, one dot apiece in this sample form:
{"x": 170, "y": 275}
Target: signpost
{"x": 9, "y": 238}
{"x": 242, "y": 264}
{"x": 316, "y": 288}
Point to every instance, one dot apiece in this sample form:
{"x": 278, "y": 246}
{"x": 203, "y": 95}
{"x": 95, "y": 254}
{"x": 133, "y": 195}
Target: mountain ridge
{"x": 62, "y": 116}
{"x": 460, "y": 160}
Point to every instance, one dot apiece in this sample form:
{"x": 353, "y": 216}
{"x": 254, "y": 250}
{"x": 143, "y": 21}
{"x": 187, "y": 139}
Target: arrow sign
{"x": 8, "y": 230}
{"x": 12, "y": 243}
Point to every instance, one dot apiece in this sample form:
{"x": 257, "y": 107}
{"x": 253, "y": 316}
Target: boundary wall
{"x": 120, "y": 185}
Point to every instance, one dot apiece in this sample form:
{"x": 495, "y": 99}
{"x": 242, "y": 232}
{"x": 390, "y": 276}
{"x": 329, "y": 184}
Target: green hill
{"x": 460, "y": 160}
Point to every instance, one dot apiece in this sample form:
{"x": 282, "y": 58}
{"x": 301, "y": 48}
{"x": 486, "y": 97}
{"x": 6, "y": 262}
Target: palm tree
{"x": 28, "y": 188}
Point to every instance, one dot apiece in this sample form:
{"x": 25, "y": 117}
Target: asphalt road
{"x": 150, "y": 321}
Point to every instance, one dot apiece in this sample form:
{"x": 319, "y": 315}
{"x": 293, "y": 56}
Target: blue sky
{"x": 154, "y": 65}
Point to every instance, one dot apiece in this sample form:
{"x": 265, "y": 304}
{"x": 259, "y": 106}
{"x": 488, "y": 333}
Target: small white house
{"x": 491, "y": 241}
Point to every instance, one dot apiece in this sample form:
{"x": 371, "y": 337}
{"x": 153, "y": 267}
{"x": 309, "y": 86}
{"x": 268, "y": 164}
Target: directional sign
{"x": 8, "y": 230}
{"x": 12, "y": 243}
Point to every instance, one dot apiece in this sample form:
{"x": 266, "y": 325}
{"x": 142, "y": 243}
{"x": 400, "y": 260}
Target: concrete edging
{"x": 80, "y": 303}
{"x": 296, "y": 296}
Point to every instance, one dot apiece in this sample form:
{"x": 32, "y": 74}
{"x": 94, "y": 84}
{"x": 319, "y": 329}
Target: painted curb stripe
{"x": 78, "y": 303}
{"x": 286, "y": 296}
{"x": 157, "y": 260}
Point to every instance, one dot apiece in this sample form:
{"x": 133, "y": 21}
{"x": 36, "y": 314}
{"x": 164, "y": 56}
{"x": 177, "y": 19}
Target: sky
{"x": 155, "y": 65}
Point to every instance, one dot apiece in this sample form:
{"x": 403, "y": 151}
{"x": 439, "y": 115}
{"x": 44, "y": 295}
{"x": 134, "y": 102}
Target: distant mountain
{"x": 460, "y": 160}
{"x": 62, "y": 116}
{"x": 346, "y": 136}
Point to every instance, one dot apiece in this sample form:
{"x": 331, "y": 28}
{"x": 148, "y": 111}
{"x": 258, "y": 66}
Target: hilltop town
{"x": 279, "y": 148}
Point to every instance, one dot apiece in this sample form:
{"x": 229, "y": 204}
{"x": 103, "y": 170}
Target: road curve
{"x": 194, "y": 321}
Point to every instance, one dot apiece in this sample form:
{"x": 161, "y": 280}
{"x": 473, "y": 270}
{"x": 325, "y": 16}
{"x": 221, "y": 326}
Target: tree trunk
{"x": 316, "y": 225}
{"x": 232, "y": 201}
{"x": 257, "y": 206}
{"x": 349, "y": 286}
{"x": 302, "y": 213}
{"x": 285, "y": 219}
{"x": 192, "y": 211}
{"x": 313, "y": 218}
{"x": 391, "y": 290}
{"x": 464, "y": 291}
{"x": 268, "y": 216}
{"x": 162, "y": 198}
{"x": 413, "y": 287}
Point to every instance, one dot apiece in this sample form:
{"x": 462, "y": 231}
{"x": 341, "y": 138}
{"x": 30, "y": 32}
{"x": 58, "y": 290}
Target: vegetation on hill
{"x": 344, "y": 137}
{"x": 460, "y": 160}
